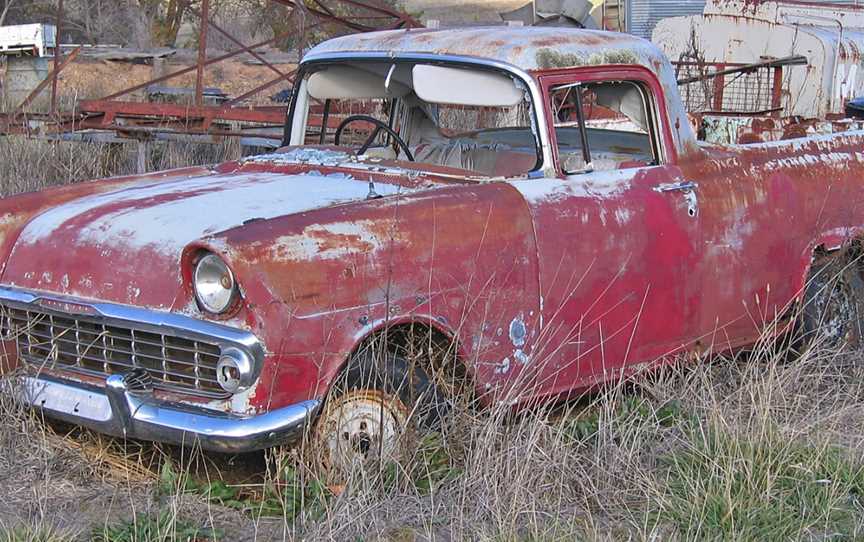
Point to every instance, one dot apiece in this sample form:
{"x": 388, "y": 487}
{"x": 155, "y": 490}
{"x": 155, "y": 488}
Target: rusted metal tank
{"x": 739, "y": 32}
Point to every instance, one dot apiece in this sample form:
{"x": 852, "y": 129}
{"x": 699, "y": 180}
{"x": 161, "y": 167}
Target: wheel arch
{"x": 405, "y": 330}
{"x": 835, "y": 241}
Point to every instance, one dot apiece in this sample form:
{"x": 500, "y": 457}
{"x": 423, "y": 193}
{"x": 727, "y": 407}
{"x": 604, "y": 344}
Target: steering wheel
{"x": 379, "y": 125}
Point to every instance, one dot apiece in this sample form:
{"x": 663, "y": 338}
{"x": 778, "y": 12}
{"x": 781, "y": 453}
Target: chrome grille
{"x": 86, "y": 344}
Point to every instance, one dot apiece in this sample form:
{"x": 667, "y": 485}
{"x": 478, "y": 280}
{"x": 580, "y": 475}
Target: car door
{"x": 617, "y": 233}
{"x": 755, "y": 238}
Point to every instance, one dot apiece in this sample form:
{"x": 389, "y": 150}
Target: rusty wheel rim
{"x": 358, "y": 427}
{"x": 836, "y": 309}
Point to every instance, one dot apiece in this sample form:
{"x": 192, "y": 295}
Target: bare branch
{"x": 7, "y": 5}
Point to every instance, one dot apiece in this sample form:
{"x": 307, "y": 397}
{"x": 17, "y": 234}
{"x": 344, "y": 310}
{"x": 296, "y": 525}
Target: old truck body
{"x": 579, "y": 235}
{"x": 790, "y": 66}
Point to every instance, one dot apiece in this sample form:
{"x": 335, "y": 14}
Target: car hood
{"x": 126, "y": 245}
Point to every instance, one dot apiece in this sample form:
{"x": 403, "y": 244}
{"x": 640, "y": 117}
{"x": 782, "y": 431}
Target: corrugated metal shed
{"x": 642, "y": 15}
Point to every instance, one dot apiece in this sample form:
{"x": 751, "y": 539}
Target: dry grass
{"x": 750, "y": 447}
{"x": 30, "y": 164}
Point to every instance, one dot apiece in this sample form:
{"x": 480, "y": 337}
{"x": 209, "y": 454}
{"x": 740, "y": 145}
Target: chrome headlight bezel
{"x": 214, "y": 284}
{"x": 235, "y": 370}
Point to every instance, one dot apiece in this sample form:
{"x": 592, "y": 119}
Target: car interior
{"x": 467, "y": 118}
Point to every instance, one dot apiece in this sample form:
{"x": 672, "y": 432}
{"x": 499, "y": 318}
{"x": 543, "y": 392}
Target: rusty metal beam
{"x": 58, "y": 29}
{"x": 202, "y": 52}
{"x": 52, "y": 79}
{"x": 265, "y": 114}
{"x": 777, "y": 89}
{"x": 719, "y": 87}
{"x": 193, "y": 68}
{"x": 238, "y": 43}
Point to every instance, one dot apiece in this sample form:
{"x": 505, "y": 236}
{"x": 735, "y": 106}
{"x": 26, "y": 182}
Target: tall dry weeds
{"x": 27, "y": 164}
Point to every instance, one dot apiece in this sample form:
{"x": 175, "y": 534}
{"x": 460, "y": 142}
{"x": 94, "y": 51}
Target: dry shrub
{"x": 27, "y": 164}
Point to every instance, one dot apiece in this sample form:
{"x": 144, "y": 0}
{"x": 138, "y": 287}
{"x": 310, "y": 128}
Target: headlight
{"x": 214, "y": 284}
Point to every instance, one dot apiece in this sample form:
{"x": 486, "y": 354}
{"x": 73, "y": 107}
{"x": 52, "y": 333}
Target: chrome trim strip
{"x": 548, "y": 166}
{"x": 166, "y": 323}
{"x": 117, "y": 411}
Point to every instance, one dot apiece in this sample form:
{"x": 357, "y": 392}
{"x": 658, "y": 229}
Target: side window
{"x": 602, "y": 126}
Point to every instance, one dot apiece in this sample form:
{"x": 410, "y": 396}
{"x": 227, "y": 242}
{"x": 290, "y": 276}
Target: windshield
{"x": 467, "y": 118}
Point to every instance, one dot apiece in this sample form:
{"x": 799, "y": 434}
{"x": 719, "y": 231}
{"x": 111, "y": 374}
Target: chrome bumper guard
{"x": 117, "y": 411}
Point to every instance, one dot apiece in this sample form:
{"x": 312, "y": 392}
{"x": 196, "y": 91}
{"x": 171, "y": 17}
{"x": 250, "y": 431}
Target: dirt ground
{"x": 72, "y": 482}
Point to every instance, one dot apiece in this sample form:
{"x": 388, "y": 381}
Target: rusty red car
{"x": 535, "y": 197}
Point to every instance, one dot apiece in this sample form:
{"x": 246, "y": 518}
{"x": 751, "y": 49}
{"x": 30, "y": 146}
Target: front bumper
{"x": 118, "y": 411}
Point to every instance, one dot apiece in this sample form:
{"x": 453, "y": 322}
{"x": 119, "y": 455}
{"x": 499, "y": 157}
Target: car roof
{"x": 529, "y": 48}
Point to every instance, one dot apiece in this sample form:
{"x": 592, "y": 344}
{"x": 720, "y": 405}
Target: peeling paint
{"x": 151, "y": 223}
{"x": 518, "y": 332}
{"x": 503, "y": 368}
{"x": 327, "y": 241}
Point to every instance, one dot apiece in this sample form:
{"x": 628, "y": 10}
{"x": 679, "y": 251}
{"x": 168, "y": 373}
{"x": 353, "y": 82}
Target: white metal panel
{"x": 643, "y": 15}
{"x": 27, "y": 39}
{"x": 835, "y": 70}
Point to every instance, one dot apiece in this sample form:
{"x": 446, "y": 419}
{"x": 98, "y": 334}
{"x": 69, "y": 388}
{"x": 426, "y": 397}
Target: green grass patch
{"x": 723, "y": 486}
{"x": 586, "y": 426}
{"x": 285, "y": 496}
{"x": 431, "y": 467}
{"x": 162, "y": 527}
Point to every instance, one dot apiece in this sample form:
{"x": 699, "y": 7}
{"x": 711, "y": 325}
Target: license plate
{"x": 66, "y": 399}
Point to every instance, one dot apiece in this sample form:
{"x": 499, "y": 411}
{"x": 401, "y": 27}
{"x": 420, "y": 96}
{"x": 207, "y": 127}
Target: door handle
{"x": 681, "y": 186}
{"x": 687, "y": 189}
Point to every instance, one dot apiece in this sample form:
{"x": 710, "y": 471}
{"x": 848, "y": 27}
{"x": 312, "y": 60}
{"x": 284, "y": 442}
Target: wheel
{"x": 370, "y": 408}
{"x": 832, "y": 310}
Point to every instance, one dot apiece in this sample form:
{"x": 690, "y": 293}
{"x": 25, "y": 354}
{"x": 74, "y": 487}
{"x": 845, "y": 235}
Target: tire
{"x": 833, "y": 305}
{"x": 378, "y": 399}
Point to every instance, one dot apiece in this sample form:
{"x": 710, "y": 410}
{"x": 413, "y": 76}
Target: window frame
{"x": 661, "y": 135}
{"x": 295, "y": 120}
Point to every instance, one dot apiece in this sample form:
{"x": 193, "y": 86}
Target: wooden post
{"x": 142, "y": 156}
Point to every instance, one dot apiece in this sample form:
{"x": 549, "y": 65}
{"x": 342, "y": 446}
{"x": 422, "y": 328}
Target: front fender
{"x": 316, "y": 284}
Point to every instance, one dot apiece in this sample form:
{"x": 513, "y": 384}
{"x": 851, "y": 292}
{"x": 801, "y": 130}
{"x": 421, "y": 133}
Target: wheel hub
{"x": 360, "y": 426}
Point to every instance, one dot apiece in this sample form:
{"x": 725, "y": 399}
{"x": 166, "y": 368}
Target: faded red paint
{"x": 544, "y": 285}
